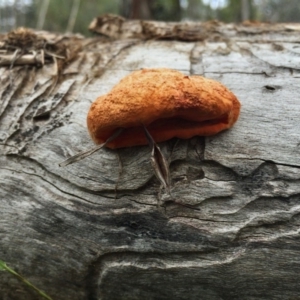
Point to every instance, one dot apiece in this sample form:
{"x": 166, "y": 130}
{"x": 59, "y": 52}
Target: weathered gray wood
{"x": 93, "y": 230}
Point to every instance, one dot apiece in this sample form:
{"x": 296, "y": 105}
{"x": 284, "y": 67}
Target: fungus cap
{"x": 169, "y": 103}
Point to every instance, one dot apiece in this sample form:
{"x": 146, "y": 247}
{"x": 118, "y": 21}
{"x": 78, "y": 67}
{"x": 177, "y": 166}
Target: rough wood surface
{"x": 93, "y": 230}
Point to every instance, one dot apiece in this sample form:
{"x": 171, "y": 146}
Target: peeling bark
{"x": 93, "y": 230}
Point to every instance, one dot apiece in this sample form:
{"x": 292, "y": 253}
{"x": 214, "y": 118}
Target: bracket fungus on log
{"x": 155, "y": 105}
{"x": 167, "y": 102}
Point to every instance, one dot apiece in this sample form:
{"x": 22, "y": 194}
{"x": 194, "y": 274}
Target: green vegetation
{"x": 76, "y": 15}
{"x": 4, "y": 267}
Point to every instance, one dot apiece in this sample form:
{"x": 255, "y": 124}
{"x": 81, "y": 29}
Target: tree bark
{"x": 136, "y": 9}
{"x": 140, "y": 9}
{"x": 73, "y": 16}
{"x": 94, "y": 229}
{"x": 245, "y": 10}
{"x": 42, "y": 14}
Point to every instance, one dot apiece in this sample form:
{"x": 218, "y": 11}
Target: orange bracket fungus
{"x": 169, "y": 103}
{"x": 155, "y": 105}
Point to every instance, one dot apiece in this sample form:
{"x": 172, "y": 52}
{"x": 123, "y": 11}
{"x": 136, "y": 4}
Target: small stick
{"x": 16, "y": 60}
{"x": 81, "y": 155}
{"x": 159, "y": 163}
{"x": 162, "y": 172}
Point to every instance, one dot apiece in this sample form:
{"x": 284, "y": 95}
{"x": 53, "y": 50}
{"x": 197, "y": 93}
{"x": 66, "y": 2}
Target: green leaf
{"x": 3, "y": 266}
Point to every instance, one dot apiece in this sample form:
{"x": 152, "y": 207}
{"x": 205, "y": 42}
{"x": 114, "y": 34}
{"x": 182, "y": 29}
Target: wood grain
{"x": 93, "y": 230}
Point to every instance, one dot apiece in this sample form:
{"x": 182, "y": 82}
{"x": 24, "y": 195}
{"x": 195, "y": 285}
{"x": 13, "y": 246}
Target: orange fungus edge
{"x": 165, "y": 102}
